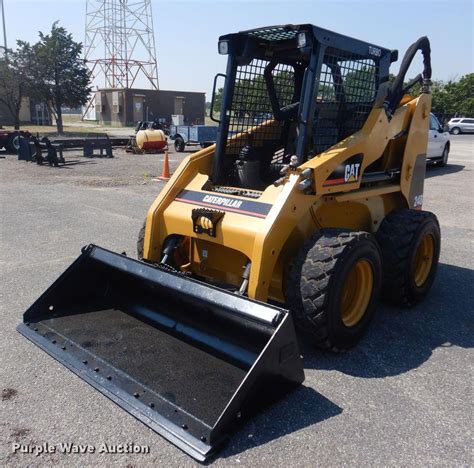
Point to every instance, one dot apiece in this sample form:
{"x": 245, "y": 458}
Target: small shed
{"x": 122, "y": 107}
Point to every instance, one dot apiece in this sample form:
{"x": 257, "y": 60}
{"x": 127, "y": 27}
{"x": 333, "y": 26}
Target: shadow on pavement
{"x": 399, "y": 341}
{"x": 299, "y": 409}
{"x": 73, "y": 162}
{"x": 433, "y": 170}
{"x": 402, "y": 339}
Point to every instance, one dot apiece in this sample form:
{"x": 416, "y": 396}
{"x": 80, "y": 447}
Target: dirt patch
{"x": 19, "y": 433}
{"x": 9, "y": 394}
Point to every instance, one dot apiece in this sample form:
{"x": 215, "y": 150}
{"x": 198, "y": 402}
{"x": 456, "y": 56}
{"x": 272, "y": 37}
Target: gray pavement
{"x": 403, "y": 396}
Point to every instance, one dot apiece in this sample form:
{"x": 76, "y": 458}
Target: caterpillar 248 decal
{"x": 306, "y": 209}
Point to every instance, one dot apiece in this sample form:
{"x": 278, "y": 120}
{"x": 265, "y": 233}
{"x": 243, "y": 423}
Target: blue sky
{"x": 187, "y": 32}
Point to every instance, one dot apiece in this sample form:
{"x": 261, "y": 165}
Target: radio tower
{"x": 119, "y": 46}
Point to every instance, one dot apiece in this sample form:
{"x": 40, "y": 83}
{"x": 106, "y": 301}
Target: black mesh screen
{"x": 346, "y": 94}
{"x": 251, "y": 107}
{"x": 274, "y": 34}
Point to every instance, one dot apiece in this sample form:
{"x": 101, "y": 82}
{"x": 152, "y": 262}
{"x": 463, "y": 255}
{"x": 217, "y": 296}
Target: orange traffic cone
{"x": 165, "y": 173}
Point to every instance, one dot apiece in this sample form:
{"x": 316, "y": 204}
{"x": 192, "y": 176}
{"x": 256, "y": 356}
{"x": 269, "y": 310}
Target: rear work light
{"x": 223, "y": 47}
{"x": 302, "y": 40}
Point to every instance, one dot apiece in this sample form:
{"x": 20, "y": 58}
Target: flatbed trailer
{"x": 72, "y": 143}
{"x": 192, "y": 135}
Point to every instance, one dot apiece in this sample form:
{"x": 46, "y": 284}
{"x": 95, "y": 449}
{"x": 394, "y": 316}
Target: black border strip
{"x": 243, "y": 207}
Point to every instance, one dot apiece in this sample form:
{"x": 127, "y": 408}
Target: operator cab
{"x": 292, "y": 90}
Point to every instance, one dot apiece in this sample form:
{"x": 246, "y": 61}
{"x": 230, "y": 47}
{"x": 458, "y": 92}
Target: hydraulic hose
{"x": 397, "y": 90}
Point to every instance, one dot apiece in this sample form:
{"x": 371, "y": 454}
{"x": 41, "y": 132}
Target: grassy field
{"x": 74, "y": 128}
{"x": 68, "y": 130}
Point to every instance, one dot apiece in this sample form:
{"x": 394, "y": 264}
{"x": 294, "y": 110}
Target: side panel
{"x": 364, "y": 210}
{"x": 414, "y": 158}
{"x": 370, "y": 143}
{"x": 415, "y": 196}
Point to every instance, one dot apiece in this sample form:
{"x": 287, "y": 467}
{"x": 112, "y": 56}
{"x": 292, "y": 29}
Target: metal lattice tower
{"x": 119, "y": 45}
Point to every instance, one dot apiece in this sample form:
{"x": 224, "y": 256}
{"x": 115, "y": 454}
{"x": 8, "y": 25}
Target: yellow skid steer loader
{"x": 306, "y": 209}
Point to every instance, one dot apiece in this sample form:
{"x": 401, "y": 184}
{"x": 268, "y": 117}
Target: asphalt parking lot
{"x": 403, "y": 396}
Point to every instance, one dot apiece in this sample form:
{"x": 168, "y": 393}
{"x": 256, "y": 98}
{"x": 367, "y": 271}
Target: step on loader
{"x": 304, "y": 212}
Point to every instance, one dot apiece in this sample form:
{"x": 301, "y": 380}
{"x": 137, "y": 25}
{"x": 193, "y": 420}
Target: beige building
{"x": 25, "y": 113}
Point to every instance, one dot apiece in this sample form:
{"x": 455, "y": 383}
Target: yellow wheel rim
{"x": 424, "y": 259}
{"x": 356, "y": 293}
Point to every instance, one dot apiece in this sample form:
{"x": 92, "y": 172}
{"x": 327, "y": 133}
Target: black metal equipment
{"x": 157, "y": 124}
{"x": 54, "y": 155}
{"x": 24, "y": 149}
{"x": 71, "y": 143}
{"x": 99, "y": 142}
{"x": 31, "y": 149}
{"x": 183, "y": 357}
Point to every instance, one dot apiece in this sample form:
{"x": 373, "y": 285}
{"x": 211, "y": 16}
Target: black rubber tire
{"x": 315, "y": 281}
{"x": 13, "y": 144}
{"x": 141, "y": 241}
{"x": 399, "y": 236}
{"x": 456, "y": 131}
{"x": 443, "y": 161}
{"x": 179, "y": 144}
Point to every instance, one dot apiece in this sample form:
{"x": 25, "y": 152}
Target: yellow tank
{"x": 151, "y": 140}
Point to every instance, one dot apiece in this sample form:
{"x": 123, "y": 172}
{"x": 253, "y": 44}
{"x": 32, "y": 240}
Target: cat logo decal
{"x": 348, "y": 172}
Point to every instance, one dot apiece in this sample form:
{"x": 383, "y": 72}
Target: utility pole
{"x": 4, "y": 28}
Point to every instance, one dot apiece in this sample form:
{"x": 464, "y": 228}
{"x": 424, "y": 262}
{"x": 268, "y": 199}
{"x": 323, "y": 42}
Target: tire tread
{"x": 141, "y": 241}
{"x": 309, "y": 280}
{"x": 396, "y": 236}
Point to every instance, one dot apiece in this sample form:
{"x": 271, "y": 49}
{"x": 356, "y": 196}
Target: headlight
{"x": 223, "y": 47}
{"x": 302, "y": 40}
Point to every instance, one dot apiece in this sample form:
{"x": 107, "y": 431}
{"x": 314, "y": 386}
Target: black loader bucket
{"x": 184, "y": 357}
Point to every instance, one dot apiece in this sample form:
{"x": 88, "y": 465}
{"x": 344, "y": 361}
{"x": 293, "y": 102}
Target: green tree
{"x": 359, "y": 85}
{"x": 442, "y": 101}
{"x": 217, "y": 102}
{"x": 60, "y": 75}
{"x": 251, "y": 95}
{"x": 453, "y": 97}
{"x": 464, "y": 95}
{"x": 14, "y": 80}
